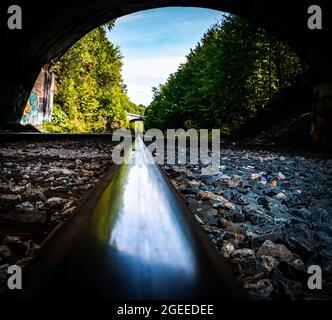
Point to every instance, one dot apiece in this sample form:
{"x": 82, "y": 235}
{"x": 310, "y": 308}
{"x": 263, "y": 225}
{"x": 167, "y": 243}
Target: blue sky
{"x": 154, "y": 43}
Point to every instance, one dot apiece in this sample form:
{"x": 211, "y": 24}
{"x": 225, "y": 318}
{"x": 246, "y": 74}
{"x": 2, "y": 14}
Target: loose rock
{"x": 278, "y": 251}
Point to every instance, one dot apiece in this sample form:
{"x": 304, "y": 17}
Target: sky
{"x": 155, "y": 42}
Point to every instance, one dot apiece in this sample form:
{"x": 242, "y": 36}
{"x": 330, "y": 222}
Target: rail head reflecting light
{"x": 148, "y": 226}
{"x": 132, "y": 238}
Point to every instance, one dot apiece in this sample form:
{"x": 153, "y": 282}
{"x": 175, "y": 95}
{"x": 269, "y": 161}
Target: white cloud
{"x": 153, "y": 44}
{"x": 138, "y": 16}
{"x": 141, "y": 74}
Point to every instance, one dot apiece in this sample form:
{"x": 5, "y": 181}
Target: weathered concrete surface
{"x": 38, "y": 108}
{"x": 322, "y": 126}
{"x": 48, "y": 31}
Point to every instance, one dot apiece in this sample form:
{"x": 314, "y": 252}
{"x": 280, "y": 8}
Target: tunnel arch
{"x": 49, "y": 31}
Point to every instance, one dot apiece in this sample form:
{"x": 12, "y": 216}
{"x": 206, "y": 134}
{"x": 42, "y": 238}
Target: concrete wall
{"x": 322, "y": 115}
{"x": 39, "y": 105}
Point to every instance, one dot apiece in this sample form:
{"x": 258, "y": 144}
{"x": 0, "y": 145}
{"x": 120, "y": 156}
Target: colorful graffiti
{"x": 39, "y": 106}
{"x": 31, "y": 110}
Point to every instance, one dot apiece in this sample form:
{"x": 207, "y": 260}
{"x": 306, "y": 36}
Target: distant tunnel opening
{"x": 39, "y": 106}
{"x": 37, "y": 45}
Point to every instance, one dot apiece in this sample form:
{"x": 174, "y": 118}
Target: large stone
{"x": 220, "y": 201}
{"x": 247, "y": 254}
{"x": 247, "y": 266}
{"x": 25, "y": 206}
{"x": 234, "y": 181}
{"x": 17, "y": 247}
{"x": 285, "y": 288}
{"x": 229, "y": 235}
{"x": 302, "y": 241}
{"x": 60, "y": 171}
{"x": 260, "y": 290}
{"x": 17, "y": 189}
{"x": 235, "y": 215}
{"x": 278, "y": 251}
{"x": 256, "y": 214}
{"x": 295, "y": 270}
{"x": 204, "y": 212}
{"x": 227, "y": 249}
{"x": 320, "y": 216}
{"x": 9, "y": 199}
{"x": 224, "y": 223}
{"x": 4, "y": 187}
{"x": 31, "y": 247}
{"x": 4, "y": 251}
{"x": 78, "y": 163}
{"x": 257, "y": 235}
{"x": 269, "y": 262}
{"x": 39, "y": 196}
{"x": 293, "y": 289}
{"x": 55, "y": 202}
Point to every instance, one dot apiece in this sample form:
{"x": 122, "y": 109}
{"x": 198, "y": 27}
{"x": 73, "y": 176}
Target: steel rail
{"x": 132, "y": 238}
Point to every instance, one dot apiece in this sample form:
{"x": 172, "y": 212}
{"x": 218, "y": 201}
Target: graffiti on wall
{"x": 38, "y": 109}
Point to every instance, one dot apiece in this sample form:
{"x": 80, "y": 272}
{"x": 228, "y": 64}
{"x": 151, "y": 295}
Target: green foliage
{"x": 90, "y": 95}
{"x": 229, "y": 77}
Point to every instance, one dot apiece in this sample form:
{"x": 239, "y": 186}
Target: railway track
{"x": 131, "y": 238}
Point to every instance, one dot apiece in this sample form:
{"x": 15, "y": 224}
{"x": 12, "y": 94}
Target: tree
{"x": 90, "y": 95}
{"x": 228, "y": 78}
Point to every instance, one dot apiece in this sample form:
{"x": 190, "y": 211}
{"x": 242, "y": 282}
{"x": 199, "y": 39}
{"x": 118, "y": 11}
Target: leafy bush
{"x": 90, "y": 95}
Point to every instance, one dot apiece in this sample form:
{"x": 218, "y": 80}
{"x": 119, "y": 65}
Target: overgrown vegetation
{"x": 239, "y": 78}
{"x": 90, "y": 95}
{"x": 235, "y": 73}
